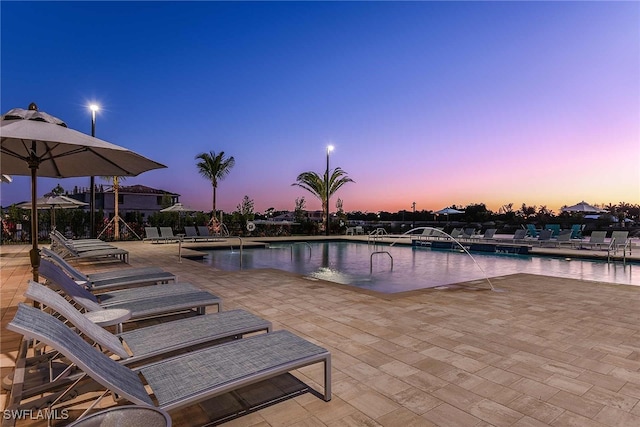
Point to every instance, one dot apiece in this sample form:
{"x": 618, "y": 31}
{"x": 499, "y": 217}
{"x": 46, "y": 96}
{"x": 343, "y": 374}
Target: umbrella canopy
{"x": 60, "y": 152}
{"x": 53, "y": 203}
{"x": 448, "y": 211}
{"x": 178, "y": 207}
{"x": 58, "y": 202}
{"x": 36, "y": 144}
{"x": 5, "y": 178}
{"x": 582, "y": 207}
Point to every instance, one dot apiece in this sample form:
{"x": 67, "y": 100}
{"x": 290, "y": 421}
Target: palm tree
{"x": 214, "y": 167}
{"x": 316, "y": 184}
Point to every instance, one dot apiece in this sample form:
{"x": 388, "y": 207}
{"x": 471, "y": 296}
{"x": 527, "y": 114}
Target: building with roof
{"x": 132, "y": 198}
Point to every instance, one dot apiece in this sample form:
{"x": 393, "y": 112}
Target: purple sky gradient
{"x": 427, "y": 102}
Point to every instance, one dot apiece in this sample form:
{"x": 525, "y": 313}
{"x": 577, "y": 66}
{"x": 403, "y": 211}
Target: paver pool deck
{"x": 543, "y": 351}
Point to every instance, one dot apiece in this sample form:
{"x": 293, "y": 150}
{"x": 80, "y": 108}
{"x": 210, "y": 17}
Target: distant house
{"x": 134, "y": 198}
{"x": 314, "y": 216}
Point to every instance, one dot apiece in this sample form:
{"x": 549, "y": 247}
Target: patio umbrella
{"x": 53, "y": 203}
{"x": 178, "y": 207}
{"x": 583, "y": 207}
{"x": 34, "y": 143}
{"x": 447, "y": 212}
{"x": 5, "y": 178}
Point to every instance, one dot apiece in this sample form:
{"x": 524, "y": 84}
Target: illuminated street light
{"x": 92, "y": 181}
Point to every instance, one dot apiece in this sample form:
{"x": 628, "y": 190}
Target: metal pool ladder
{"x": 371, "y": 259}
{"x": 300, "y": 243}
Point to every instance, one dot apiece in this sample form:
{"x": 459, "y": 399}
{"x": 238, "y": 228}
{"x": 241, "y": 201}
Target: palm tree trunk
{"x": 213, "y": 214}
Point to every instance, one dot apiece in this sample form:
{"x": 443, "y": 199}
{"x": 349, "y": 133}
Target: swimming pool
{"x": 402, "y": 268}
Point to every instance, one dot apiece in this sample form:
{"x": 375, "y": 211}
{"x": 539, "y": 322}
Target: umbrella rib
{"x": 80, "y": 150}
{"x": 126, "y": 172}
{"x": 13, "y": 154}
{"x": 53, "y": 162}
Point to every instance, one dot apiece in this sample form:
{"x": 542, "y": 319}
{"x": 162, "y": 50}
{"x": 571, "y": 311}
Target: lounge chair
{"x": 166, "y": 233}
{"x": 151, "y": 234}
{"x": 59, "y": 241}
{"x": 114, "y": 279}
{"x": 532, "y": 231}
{"x": 595, "y": 240}
{"x": 77, "y": 242}
{"x": 456, "y": 233}
{"x": 576, "y": 231}
{"x": 555, "y": 228}
{"x": 190, "y": 233}
{"x": 178, "y": 381}
{"x": 92, "y": 250}
{"x": 359, "y": 230}
{"x": 545, "y": 236}
{"x": 488, "y": 234}
{"x": 155, "y": 340}
{"x": 564, "y": 237}
{"x": 620, "y": 240}
{"x": 519, "y": 235}
{"x": 467, "y": 233}
{"x": 150, "y": 301}
{"x": 203, "y": 230}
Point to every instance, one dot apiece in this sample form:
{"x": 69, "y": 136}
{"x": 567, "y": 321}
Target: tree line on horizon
{"x": 215, "y": 167}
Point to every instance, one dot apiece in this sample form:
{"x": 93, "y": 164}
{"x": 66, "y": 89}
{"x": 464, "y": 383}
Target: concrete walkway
{"x": 544, "y": 351}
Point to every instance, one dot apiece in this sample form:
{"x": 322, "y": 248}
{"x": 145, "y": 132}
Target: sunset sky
{"x": 436, "y": 103}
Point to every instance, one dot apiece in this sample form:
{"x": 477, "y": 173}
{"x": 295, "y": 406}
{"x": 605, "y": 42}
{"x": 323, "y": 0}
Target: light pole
{"x": 413, "y": 205}
{"x": 92, "y": 181}
{"x": 326, "y": 227}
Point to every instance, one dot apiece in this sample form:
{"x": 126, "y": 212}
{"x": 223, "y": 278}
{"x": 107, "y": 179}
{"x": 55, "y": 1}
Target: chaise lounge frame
{"x": 112, "y": 279}
{"x": 178, "y": 381}
{"x": 150, "y": 301}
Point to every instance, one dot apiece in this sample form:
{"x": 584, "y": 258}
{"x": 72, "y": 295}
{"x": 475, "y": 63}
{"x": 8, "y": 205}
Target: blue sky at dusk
{"x": 437, "y": 103}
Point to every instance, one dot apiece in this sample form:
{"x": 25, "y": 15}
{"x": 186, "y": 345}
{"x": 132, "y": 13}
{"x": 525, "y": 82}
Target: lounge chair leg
{"x": 327, "y": 378}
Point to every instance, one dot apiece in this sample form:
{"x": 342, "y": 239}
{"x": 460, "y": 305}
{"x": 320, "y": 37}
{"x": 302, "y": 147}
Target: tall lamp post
{"x": 413, "y": 205}
{"x": 92, "y": 181}
{"x": 326, "y": 226}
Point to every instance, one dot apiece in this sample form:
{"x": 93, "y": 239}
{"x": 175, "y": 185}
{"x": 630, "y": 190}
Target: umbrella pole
{"x": 116, "y": 231}
{"x": 34, "y": 254}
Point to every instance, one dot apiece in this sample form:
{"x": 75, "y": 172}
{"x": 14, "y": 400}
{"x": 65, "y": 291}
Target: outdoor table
{"x": 126, "y": 416}
{"x": 109, "y": 317}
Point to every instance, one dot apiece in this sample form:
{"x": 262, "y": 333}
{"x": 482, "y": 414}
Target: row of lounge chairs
{"x": 113, "y": 279}
{"x": 85, "y": 248}
{"x": 166, "y": 234}
{"x": 168, "y": 365}
{"x": 597, "y": 239}
{"x": 576, "y": 230}
{"x": 544, "y": 237}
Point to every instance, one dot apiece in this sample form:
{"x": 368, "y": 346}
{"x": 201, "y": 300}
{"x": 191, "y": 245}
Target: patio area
{"x": 543, "y": 351}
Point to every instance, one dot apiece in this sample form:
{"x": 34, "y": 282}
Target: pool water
{"x": 392, "y": 269}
